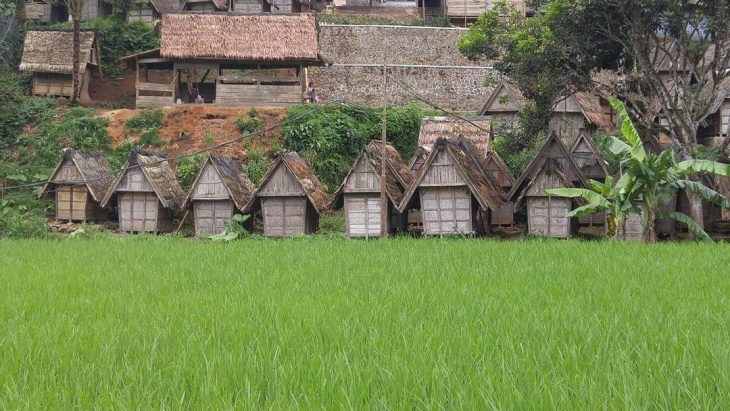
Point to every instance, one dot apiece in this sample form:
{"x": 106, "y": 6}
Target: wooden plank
{"x": 156, "y": 87}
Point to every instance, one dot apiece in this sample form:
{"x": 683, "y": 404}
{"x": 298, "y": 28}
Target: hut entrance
{"x": 212, "y": 216}
{"x": 548, "y": 216}
{"x": 283, "y": 216}
{"x": 446, "y": 210}
{"x": 138, "y": 211}
{"x": 71, "y": 203}
{"x": 362, "y": 213}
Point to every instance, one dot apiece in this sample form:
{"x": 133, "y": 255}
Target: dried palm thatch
{"x": 590, "y": 107}
{"x": 239, "y": 37}
{"x": 304, "y": 176}
{"x": 470, "y": 162}
{"x": 398, "y": 176}
{"x": 51, "y": 51}
{"x": 158, "y": 173}
{"x": 95, "y": 172}
{"x": 475, "y": 129}
{"x": 234, "y": 179}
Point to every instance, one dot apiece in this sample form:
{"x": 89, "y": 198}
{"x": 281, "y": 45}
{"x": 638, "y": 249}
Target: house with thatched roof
{"x": 147, "y": 193}
{"x": 419, "y": 157}
{"x": 552, "y": 167}
{"x": 205, "y": 6}
{"x": 571, "y": 114}
{"x": 290, "y": 198}
{"x": 78, "y": 184}
{"x": 592, "y": 165}
{"x": 360, "y": 192}
{"x": 454, "y": 190}
{"x": 220, "y": 190}
{"x": 475, "y": 129}
{"x": 151, "y": 11}
{"x": 48, "y": 54}
{"x": 230, "y": 60}
{"x": 47, "y": 11}
{"x": 504, "y": 215}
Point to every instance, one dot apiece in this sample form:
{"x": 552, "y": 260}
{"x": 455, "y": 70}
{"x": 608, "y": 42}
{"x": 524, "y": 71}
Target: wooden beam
{"x": 153, "y": 60}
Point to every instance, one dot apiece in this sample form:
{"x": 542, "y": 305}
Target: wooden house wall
{"x": 586, "y": 161}
{"x": 442, "y": 172}
{"x": 362, "y": 178}
{"x": 139, "y": 211}
{"x": 134, "y": 180}
{"x": 210, "y": 185}
{"x": 473, "y": 8}
{"x": 212, "y": 216}
{"x": 547, "y": 215}
{"x": 258, "y": 94}
{"x": 40, "y": 12}
{"x": 248, "y": 6}
{"x": 446, "y": 210}
{"x": 282, "y": 183}
{"x": 52, "y": 84}
{"x": 201, "y": 7}
{"x": 362, "y": 214}
{"x": 287, "y": 6}
{"x": 285, "y": 216}
{"x": 74, "y": 203}
{"x": 145, "y": 13}
{"x": 563, "y": 158}
{"x": 567, "y": 124}
{"x": 509, "y": 120}
{"x": 93, "y": 9}
{"x": 504, "y": 215}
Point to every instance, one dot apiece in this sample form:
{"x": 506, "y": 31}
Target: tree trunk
{"x": 695, "y": 212}
{"x": 620, "y": 233}
{"x": 648, "y": 220}
{"x": 75, "y": 80}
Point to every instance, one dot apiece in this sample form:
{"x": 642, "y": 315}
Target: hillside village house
{"x": 47, "y": 11}
{"x": 360, "y": 192}
{"x": 48, "y": 54}
{"x": 152, "y": 11}
{"x": 592, "y": 166}
{"x": 229, "y": 60}
{"x": 572, "y": 114}
{"x": 504, "y": 215}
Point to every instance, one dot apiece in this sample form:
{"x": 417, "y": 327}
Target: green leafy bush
{"x": 22, "y": 215}
{"x": 146, "y": 119}
{"x": 257, "y": 165}
{"x": 188, "y": 169}
{"x": 251, "y": 123}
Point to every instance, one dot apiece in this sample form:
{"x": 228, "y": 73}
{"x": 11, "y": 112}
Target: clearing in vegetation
{"x": 146, "y": 322}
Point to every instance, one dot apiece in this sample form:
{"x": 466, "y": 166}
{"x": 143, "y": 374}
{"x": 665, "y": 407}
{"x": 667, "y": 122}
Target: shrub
{"x": 145, "y": 120}
{"x": 252, "y": 123}
{"x": 257, "y": 165}
{"x": 188, "y": 169}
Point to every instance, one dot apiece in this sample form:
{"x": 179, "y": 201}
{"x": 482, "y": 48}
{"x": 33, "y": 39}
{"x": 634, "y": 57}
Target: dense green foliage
{"x": 331, "y": 138}
{"x": 188, "y": 169}
{"x": 338, "y": 324}
{"x": 146, "y": 125}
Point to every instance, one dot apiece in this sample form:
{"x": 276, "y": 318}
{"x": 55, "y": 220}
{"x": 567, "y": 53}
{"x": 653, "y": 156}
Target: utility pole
{"x": 383, "y": 138}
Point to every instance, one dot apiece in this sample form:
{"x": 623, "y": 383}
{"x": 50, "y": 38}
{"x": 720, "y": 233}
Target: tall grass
{"x": 343, "y": 324}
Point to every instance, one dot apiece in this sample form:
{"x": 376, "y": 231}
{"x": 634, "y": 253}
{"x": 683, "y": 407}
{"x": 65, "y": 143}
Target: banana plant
{"x": 648, "y": 182}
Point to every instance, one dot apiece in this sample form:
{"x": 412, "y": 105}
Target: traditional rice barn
{"x": 475, "y": 129}
{"x": 147, "y": 192}
{"x": 290, "y": 198}
{"x": 552, "y": 167}
{"x": 48, "y": 54}
{"x": 47, "y": 11}
{"x": 453, "y": 188}
{"x": 152, "y": 11}
{"x": 592, "y": 165}
{"x": 221, "y": 190}
{"x": 419, "y": 157}
{"x": 205, "y": 6}
{"x": 360, "y": 192}
{"x": 580, "y": 112}
{"x": 504, "y": 215}
{"x": 78, "y": 184}
{"x": 229, "y": 60}
{"x": 504, "y": 104}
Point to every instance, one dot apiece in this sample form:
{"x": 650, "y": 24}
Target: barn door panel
{"x": 547, "y": 216}
{"x": 362, "y": 215}
{"x": 446, "y": 210}
{"x": 212, "y": 217}
{"x": 283, "y": 216}
{"x": 138, "y": 212}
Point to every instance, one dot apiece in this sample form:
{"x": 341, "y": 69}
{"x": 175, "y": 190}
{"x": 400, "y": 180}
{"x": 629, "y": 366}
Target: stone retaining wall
{"x": 455, "y": 84}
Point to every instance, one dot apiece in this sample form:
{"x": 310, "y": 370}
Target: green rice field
{"x": 332, "y": 324}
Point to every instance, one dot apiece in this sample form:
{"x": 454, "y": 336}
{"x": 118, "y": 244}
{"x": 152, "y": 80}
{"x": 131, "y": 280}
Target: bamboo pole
{"x": 383, "y": 194}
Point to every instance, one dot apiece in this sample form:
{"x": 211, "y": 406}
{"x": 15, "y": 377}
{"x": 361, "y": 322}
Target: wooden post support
{"x": 383, "y": 194}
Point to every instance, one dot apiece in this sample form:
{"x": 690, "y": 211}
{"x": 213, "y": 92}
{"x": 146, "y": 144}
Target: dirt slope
{"x": 186, "y": 129}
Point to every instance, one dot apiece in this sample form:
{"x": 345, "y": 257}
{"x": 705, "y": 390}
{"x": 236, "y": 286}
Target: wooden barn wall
{"x": 504, "y": 215}
{"x": 567, "y": 125}
{"x": 586, "y": 161}
{"x": 204, "y": 7}
{"x": 446, "y": 210}
{"x": 508, "y": 120}
{"x": 252, "y": 94}
{"x": 74, "y": 203}
{"x": 282, "y": 183}
{"x": 134, "y": 180}
{"x": 563, "y": 158}
{"x": 542, "y": 183}
{"x": 420, "y": 159}
{"x": 362, "y": 214}
{"x": 312, "y": 218}
{"x": 145, "y": 13}
{"x": 247, "y": 6}
{"x": 210, "y": 186}
{"x": 138, "y": 211}
{"x": 442, "y": 171}
{"x": 164, "y": 219}
{"x": 287, "y": 6}
{"x": 52, "y": 84}
{"x": 362, "y": 178}
{"x": 547, "y": 216}
{"x": 212, "y": 216}
{"x": 499, "y": 175}
{"x": 284, "y": 216}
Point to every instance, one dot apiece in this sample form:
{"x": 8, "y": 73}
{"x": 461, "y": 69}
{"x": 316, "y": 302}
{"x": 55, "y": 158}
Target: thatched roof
{"x": 398, "y": 176}
{"x": 499, "y": 169}
{"x": 165, "y": 6}
{"x": 51, "y": 51}
{"x": 470, "y": 162}
{"x": 234, "y": 179}
{"x": 305, "y": 177}
{"x": 585, "y": 158}
{"x": 158, "y": 173}
{"x": 665, "y": 56}
{"x": 475, "y": 129}
{"x": 513, "y": 101}
{"x": 259, "y": 37}
{"x": 95, "y": 171}
{"x": 418, "y": 158}
{"x": 552, "y": 149}
{"x": 590, "y": 107}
